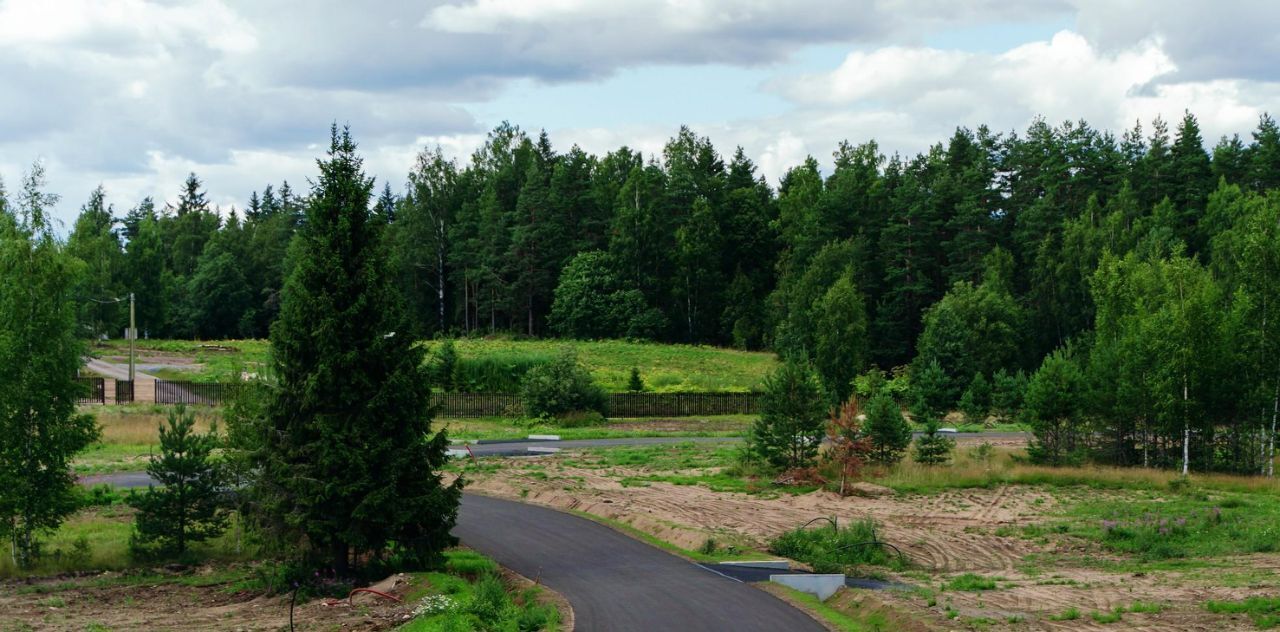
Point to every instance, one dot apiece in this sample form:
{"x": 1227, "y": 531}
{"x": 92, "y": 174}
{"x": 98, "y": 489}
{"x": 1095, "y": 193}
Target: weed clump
{"x": 831, "y": 549}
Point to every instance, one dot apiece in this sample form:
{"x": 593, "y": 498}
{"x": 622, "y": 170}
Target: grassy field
{"x": 664, "y": 368}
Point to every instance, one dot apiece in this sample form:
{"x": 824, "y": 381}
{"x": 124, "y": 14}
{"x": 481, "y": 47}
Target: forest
{"x": 1122, "y": 286}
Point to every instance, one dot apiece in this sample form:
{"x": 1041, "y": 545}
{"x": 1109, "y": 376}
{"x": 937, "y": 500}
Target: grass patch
{"x": 97, "y": 539}
{"x": 1070, "y": 614}
{"x": 970, "y": 582}
{"x": 470, "y": 595}
{"x": 1263, "y": 611}
{"x": 840, "y": 620}
{"x": 1172, "y": 527}
{"x": 665, "y": 368}
{"x": 1107, "y": 617}
{"x": 1006, "y": 467}
{"x": 829, "y": 549}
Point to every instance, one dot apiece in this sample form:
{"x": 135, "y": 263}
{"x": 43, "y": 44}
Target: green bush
{"x": 829, "y": 549}
{"x": 561, "y": 386}
{"x": 580, "y": 419}
{"x": 970, "y": 582}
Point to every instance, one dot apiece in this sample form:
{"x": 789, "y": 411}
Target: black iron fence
{"x": 477, "y": 404}
{"x": 199, "y": 393}
{"x": 94, "y": 390}
{"x": 620, "y": 404}
{"x": 457, "y": 404}
{"x": 124, "y": 391}
{"x": 682, "y": 404}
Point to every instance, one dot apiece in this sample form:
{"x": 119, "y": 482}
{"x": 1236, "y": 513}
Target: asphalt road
{"x": 521, "y": 447}
{"x": 616, "y": 583}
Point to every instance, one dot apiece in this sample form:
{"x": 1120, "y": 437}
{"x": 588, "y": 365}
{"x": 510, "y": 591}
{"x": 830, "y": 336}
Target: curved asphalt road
{"x": 614, "y": 582}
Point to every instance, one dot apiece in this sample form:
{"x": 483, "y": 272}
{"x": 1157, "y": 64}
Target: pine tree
{"x": 790, "y": 425}
{"x": 188, "y": 506}
{"x": 933, "y": 448}
{"x": 975, "y": 402}
{"x": 95, "y": 241}
{"x": 40, "y": 353}
{"x": 887, "y": 428}
{"x": 1264, "y": 155}
{"x": 350, "y": 465}
{"x": 634, "y": 383}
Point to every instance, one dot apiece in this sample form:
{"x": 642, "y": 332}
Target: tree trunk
{"x": 339, "y": 550}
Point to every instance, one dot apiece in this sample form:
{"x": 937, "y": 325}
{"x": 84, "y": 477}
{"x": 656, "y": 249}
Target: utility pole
{"x": 133, "y": 336}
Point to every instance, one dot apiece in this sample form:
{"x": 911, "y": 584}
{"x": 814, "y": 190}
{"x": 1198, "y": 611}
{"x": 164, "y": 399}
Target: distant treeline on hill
{"x": 1140, "y": 269}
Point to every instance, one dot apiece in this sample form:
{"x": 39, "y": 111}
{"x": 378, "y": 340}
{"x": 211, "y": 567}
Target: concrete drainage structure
{"x": 820, "y": 586}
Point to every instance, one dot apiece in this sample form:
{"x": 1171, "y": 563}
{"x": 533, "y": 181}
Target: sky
{"x": 135, "y": 94}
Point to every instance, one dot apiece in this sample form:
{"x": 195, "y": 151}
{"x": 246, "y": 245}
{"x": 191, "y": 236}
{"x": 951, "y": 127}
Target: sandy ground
{"x": 944, "y": 535}
{"x": 77, "y": 604}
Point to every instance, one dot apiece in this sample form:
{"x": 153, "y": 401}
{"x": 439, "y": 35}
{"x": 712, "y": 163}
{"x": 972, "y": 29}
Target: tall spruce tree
{"x": 349, "y": 466}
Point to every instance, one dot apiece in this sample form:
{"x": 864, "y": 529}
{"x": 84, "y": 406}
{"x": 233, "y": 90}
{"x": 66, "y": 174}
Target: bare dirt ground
{"x": 81, "y": 603}
{"x": 943, "y": 534}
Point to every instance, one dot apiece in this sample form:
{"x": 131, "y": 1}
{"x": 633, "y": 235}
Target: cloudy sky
{"x": 134, "y": 94}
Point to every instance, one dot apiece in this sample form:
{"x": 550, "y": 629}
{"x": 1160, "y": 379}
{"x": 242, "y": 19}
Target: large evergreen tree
{"x": 350, "y": 466}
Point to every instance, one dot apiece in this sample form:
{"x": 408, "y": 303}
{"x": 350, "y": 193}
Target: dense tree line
{"x": 1144, "y": 262}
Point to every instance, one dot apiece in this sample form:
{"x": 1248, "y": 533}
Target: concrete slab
{"x": 820, "y": 586}
{"x": 781, "y": 565}
{"x": 544, "y": 437}
{"x": 543, "y": 450}
{"x": 456, "y": 454}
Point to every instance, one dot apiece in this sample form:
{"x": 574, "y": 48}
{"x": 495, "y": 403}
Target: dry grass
{"x": 1007, "y": 466}
{"x": 135, "y": 425}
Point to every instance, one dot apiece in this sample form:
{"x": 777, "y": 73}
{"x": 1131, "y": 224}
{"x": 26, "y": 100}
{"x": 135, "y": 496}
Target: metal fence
{"x": 124, "y": 391}
{"x": 94, "y": 390}
{"x": 200, "y": 393}
{"x": 620, "y": 404}
{"x": 682, "y": 404}
{"x": 457, "y": 404}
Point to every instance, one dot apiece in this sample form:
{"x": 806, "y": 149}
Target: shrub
{"x": 832, "y": 549}
{"x": 489, "y": 601}
{"x": 561, "y": 386}
{"x": 789, "y": 428}
{"x": 580, "y": 419}
{"x": 634, "y": 383}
